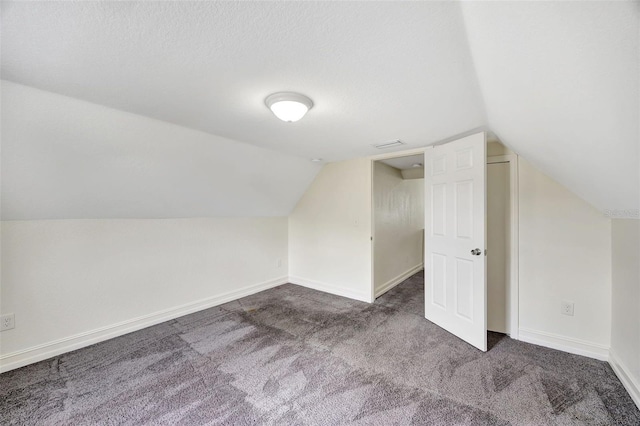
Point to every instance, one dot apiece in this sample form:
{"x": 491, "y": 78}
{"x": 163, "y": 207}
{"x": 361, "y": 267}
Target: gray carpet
{"x": 293, "y": 356}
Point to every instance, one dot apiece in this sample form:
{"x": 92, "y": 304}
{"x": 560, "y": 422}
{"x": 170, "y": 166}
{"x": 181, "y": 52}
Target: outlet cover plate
{"x": 7, "y": 322}
{"x": 566, "y": 308}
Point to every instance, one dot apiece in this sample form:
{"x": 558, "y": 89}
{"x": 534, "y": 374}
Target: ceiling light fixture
{"x": 316, "y": 160}
{"x": 416, "y": 165}
{"x": 288, "y": 106}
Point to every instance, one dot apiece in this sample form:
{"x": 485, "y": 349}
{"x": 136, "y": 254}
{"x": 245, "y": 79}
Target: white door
{"x": 455, "y": 280}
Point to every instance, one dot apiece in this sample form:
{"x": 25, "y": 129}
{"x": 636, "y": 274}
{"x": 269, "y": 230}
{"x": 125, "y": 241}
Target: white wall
{"x": 398, "y": 226}
{"x": 330, "y": 231}
{"x": 565, "y": 254}
{"x": 74, "y": 282}
{"x": 625, "y": 317}
{"x": 92, "y": 274}
{"x": 63, "y": 158}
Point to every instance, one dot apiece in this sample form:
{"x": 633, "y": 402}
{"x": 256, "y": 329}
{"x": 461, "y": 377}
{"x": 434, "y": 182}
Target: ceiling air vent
{"x": 389, "y": 144}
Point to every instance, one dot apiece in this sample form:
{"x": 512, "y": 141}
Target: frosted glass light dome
{"x": 288, "y": 106}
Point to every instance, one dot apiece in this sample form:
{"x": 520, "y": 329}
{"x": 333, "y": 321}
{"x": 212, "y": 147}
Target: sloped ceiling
{"x": 375, "y": 71}
{"x": 557, "y": 83}
{"x": 560, "y": 82}
{"x": 68, "y": 159}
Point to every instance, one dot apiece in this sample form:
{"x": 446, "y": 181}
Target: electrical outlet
{"x": 279, "y": 263}
{"x": 7, "y": 322}
{"x": 566, "y": 308}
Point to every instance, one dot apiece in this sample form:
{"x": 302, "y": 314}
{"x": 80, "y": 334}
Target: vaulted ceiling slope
{"x": 558, "y": 83}
{"x": 63, "y": 158}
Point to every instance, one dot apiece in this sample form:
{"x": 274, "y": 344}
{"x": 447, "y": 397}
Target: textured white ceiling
{"x": 556, "y": 81}
{"x": 375, "y": 71}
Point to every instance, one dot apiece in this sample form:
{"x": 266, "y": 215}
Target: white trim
{"x": 514, "y": 252}
{"x": 564, "y": 343}
{"x": 624, "y": 374}
{"x": 44, "y": 351}
{"x": 515, "y": 248}
{"x": 500, "y": 158}
{"x": 399, "y": 279}
{"x": 331, "y": 288}
{"x": 372, "y": 245}
{"x": 396, "y": 154}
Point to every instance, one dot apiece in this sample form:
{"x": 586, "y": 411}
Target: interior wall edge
{"x": 625, "y": 376}
{"x": 47, "y": 350}
{"x": 398, "y": 279}
{"x": 329, "y": 235}
{"x": 565, "y": 344}
{"x": 331, "y": 289}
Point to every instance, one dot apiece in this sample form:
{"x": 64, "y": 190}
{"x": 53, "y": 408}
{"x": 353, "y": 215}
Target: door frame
{"x": 374, "y": 158}
{"x": 514, "y": 286}
{"x": 514, "y": 274}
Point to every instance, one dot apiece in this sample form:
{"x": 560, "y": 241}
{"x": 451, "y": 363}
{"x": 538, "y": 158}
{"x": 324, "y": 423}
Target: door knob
{"x": 476, "y": 252}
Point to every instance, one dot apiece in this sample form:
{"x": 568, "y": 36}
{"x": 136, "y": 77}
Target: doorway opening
{"x": 498, "y": 231}
{"x": 398, "y": 232}
{"x": 401, "y": 260}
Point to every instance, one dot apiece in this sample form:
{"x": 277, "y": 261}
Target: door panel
{"x": 455, "y": 281}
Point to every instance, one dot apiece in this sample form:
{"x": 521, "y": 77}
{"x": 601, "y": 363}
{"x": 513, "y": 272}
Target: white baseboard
{"x": 330, "y": 288}
{"x": 47, "y": 350}
{"x": 563, "y": 343}
{"x": 630, "y": 383}
{"x": 397, "y": 280}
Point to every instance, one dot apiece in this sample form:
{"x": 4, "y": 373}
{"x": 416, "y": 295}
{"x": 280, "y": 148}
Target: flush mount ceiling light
{"x": 288, "y": 106}
{"x": 416, "y": 165}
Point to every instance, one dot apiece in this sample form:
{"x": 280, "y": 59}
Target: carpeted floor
{"x": 291, "y": 355}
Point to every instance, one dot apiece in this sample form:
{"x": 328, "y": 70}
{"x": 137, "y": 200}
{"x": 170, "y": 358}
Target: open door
{"x": 455, "y": 263}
